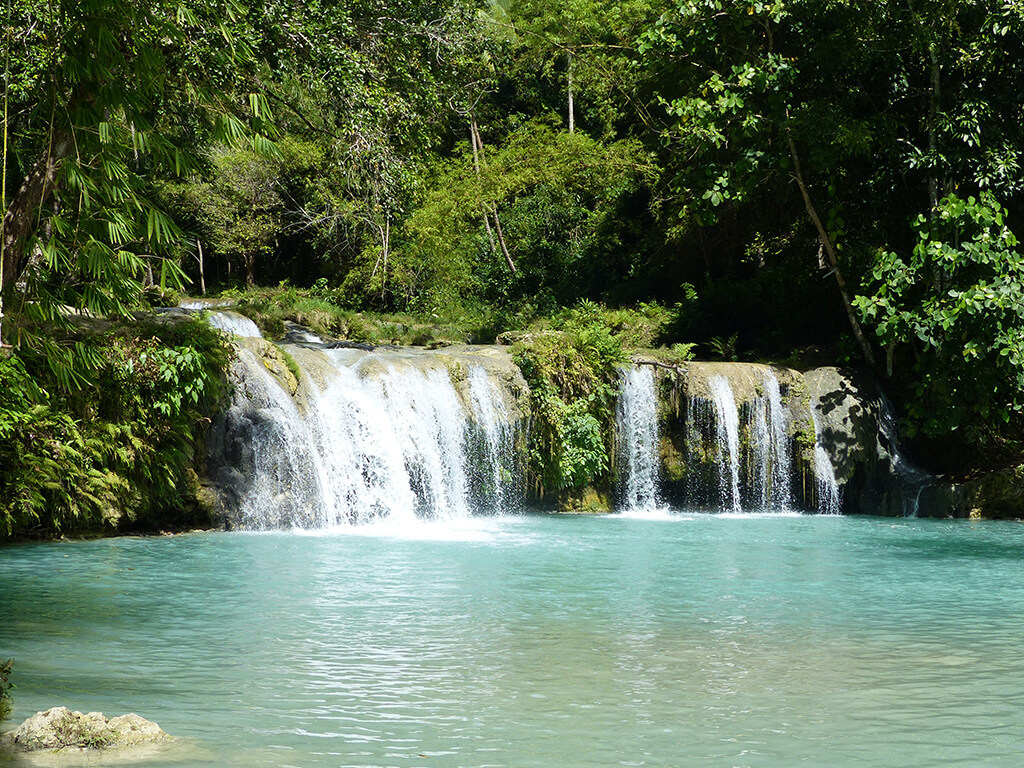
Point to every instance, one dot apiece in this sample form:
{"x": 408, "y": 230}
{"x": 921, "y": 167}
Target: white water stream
{"x": 393, "y": 441}
{"x": 637, "y": 423}
{"x": 728, "y": 443}
{"x": 234, "y": 323}
{"x": 828, "y": 495}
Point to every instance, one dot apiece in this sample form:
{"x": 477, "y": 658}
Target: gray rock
{"x": 858, "y": 431}
{"x": 60, "y": 728}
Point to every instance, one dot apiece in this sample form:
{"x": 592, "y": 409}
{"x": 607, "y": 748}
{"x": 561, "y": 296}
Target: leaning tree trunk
{"x": 478, "y": 146}
{"x": 826, "y": 242}
{"x": 35, "y": 191}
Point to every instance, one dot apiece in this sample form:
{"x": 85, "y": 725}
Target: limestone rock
{"x": 60, "y": 728}
{"x": 858, "y": 431}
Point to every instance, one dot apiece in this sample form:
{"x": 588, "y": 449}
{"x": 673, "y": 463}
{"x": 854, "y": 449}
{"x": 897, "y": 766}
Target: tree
{"x": 954, "y": 311}
{"x": 834, "y": 113}
{"x": 560, "y": 199}
{"x": 374, "y": 84}
{"x": 111, "y": 95}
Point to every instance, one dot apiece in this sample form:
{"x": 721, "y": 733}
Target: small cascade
{"x": 369, "y": 439}
{"x": 912, "y": 479}
{"x": 233, "y": 323}
{"x": 738, "y": 441}
{"x": 285, "y": 477}
{"x": 827, "y": 492}
{"x": 491, "y": 417}
{"x": 728, "y": 445}
{"x": 778, "y": 454}
{"x": 424, "y": 409}
{"x": 637, "y": 427}
{"x": 362, "y": 459}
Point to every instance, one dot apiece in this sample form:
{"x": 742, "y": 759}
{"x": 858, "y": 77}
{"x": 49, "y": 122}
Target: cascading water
{"x": 285, "y": 482}
{"x": 373, "y": 440}
{"x": 913, "y": 480}
{"x": 363, "y": 465}
{"x": 827, "y": 493}
{"x": 497, "y": 445}
{"x": 777, "y": 451}
{"x": 738, "y": 454}
{"x": 728, "y": 445}
{"x": 234, "y": 323}
{"x": 424, "y": 409}
{"x": 637, "y": 426}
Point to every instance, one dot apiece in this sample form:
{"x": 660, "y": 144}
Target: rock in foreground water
{"x": 60, "y": 728}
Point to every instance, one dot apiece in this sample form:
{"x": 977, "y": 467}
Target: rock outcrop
{"x": 857, "y": 429}
{"x": 60, "y": 728}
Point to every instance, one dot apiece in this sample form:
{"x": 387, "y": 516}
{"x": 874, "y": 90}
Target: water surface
{"x": 680, "y": 640}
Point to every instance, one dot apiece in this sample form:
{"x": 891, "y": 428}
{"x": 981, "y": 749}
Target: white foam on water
{"x": 234, "y": 323}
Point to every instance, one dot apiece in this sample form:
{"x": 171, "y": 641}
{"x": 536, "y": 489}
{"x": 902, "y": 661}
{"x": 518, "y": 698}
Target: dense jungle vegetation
{"x": 804, "y": 181}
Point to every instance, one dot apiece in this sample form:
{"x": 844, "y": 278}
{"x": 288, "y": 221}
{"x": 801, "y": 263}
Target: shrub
{"x": 572, "y": 377}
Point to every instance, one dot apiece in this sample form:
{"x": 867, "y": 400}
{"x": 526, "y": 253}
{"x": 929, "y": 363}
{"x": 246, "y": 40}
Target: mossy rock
{"x": 586, "y": 501}
{"x": 995, "y": 496}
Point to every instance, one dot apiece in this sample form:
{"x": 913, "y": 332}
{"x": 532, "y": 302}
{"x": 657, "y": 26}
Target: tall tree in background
{"x": 852, "y": 115}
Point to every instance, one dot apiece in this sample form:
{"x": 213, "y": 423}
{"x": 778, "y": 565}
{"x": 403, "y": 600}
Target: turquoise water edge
{"x": 675, "y": 640}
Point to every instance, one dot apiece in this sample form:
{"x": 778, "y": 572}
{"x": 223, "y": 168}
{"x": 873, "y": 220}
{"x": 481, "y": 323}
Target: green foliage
{"x": 5, "y": 688}
{"x": 572, "y": 376}
{"x": 117, "y": 93}
{"x": 119, "y": 451}
{"x": 724, "y": 348}
{"x": 643, "y": 326}
{"x": 239, "y": 203}
{"x": 956, "y": 303}
{"x": 557, "y": 196}
{"x": 320, "y": 310}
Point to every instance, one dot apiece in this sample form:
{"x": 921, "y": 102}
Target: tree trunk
{"x": 35, "y": 191}
{"x": 826, "y": 243}
{"x": 572, "y": 111}
{"x": 933, "y": 118}
{"x": 202, "y": 278}
{"x": 476, "y": 166}
{"x": 479, "y": 146}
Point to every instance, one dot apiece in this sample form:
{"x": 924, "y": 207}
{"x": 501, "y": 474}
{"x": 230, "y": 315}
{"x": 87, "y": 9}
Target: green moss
{"x": 5, "y": 688}
{"x": 289, "y": 361}
{"x": 585, "y": 501}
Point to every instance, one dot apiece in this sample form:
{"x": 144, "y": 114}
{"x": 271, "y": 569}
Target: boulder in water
{"x": 60, "y": 728}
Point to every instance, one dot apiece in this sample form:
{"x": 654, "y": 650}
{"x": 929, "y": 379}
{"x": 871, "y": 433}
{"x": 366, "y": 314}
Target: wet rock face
{"x": 60, "y": 728}
{"x": 858, "y": 431}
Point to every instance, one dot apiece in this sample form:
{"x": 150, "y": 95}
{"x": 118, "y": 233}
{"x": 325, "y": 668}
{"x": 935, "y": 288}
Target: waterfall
{"x": 728, "y": 445}
{"x": 362, "y": 458}
{"x": 827, "y": 493}
{"x": 912, "y": 479}
{"x": 637, "y": 427}
{"x": 233, "y": 323}
{"x": 285, "y": 479}
{"x": 778, "y": 452}
{"x": 738, "y": 441}
{"x": 424, "y": 409}
{"x": 371, "y": 438}
{"x": 492, "y": 420}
